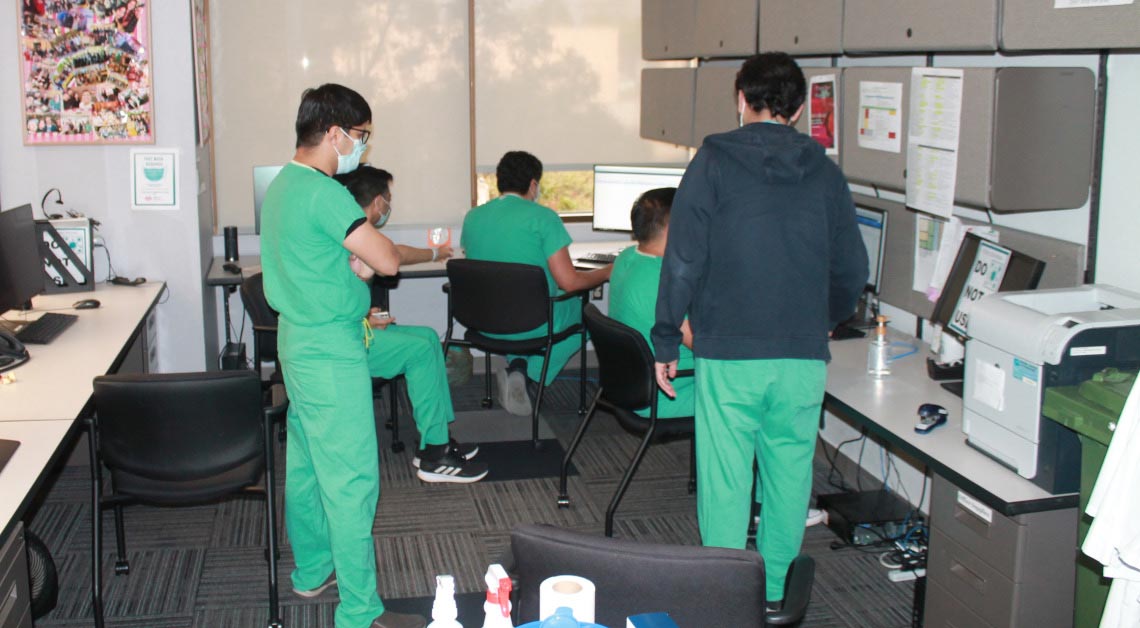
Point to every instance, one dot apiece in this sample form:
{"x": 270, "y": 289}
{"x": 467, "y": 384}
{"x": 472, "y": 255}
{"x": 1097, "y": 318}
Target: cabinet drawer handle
{"x": 969, "y": 577}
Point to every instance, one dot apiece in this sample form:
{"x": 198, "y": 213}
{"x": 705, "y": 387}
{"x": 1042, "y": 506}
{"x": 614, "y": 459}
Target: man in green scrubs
{"x": 515, "y": 228}
{"x": 765, "y": 258}
{"x": 412, "y": 351}
{"x": 310, "y": 227}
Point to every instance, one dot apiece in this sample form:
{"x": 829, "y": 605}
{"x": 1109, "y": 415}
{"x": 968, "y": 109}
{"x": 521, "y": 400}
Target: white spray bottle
{"x": 497, "y": 608}
{"x": 444, "y": 614}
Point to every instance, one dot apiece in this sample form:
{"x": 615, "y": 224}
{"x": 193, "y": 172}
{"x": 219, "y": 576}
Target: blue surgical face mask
{"x": 348, "y": 163}
{"x": 383, "y": 217}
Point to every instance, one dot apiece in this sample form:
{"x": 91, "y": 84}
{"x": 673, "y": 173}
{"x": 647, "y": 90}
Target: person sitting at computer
{"x": 412, "y": 351}
{"x": 515, "y": 228}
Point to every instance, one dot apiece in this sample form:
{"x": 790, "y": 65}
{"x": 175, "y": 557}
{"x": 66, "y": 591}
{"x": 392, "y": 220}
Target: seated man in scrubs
{"x": 412, "y": 351}
{"x": 515, "y": 228}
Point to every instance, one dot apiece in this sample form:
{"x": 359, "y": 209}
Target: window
{"x": 568, "y": 192}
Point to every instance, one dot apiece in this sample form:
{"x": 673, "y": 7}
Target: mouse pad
{"x": 7, "y": 448}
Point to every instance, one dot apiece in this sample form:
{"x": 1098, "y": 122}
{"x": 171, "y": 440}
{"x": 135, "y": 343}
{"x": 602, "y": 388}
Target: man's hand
{"x": 665, "y": 373}
{"x": 444, "y": 253}
{"x": 359, "y": 268}
{"x": 377, "y": 322}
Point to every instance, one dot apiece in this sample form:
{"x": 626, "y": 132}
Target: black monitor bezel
{"x": 21, "y": 264}
{"x": 875, "y": 288}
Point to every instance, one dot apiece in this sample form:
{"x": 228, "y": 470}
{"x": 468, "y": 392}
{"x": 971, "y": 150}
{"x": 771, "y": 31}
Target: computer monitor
{"x": 21, "y": 267}
{"x": 262, "y": 177}
{"x": 981, "y": 267}
{"x": 617, "y": 187}
{"x": 873, "y": 227}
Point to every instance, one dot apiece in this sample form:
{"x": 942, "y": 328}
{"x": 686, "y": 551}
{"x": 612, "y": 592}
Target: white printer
{"x": 1023, "y": 342}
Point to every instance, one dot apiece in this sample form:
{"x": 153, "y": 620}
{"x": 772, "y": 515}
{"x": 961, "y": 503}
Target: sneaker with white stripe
{"x": 451, "y": 467}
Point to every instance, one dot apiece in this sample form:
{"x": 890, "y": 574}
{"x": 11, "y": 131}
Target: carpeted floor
{"x": 204, "y": 566}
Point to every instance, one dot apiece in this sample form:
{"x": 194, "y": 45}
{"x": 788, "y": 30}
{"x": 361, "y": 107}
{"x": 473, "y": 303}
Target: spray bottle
{"x": 878, "y": 352}
{"x": 444, "y": 614}
{"x": 497, "y": 608}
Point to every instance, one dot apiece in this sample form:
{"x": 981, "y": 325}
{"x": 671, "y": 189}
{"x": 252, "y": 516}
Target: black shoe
{"x": 451, "y": 467}
{"x": 466, "y": 450}
{"x": 398, "y": 620}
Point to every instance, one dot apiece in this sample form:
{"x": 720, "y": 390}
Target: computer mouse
{"x": 86, "y": 304}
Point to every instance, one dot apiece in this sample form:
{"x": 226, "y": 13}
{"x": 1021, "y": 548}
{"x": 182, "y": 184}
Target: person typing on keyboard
{"x": 515, "y": 228}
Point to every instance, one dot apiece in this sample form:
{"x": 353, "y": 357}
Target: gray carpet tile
{"x": 161, "y": 583}
{"x": 426, "y": 509}
{"x": 409, "y": 564}
{"x": 503, "y": 505}
{"x": 150, "y": 527}
{"x": 238, "y": 576}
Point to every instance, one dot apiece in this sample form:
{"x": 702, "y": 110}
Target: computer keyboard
{"x": 45, "y": 329}
{"x": 598, "y": 258}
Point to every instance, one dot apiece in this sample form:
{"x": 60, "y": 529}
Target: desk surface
{"x": 55, "y": 383}
{"x": 19, "y": 481}
{"x": 888, "y": 408}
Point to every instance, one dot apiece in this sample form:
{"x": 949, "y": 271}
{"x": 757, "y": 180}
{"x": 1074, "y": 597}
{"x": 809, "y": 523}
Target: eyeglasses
{"x": 365, "y": 134}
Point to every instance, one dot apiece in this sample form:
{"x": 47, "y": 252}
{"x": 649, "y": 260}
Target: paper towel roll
{"x": 571, "y": 591}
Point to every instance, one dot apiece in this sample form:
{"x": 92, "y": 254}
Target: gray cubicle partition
{"x": 919, "y": 25}
{"x": 715, "y": 107}
{"x": 667, "y": 104}
{"x": 1064, "y": 261}
{"x": 726, "y": 28}
{"x": 801, "y": 27}
{"x": 1039, "y": 25}
{"x": 668, "y": 29}
{"x": 873, "y": 167}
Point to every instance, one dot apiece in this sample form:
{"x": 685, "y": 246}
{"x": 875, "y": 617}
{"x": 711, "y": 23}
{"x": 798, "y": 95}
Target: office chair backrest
{"x": 180, "y": 427}
{"x": 625, "y": 363}
{"x": 697, "y": 586}
{"x": 264, "y": 318}
{"x": 498, "y": 297}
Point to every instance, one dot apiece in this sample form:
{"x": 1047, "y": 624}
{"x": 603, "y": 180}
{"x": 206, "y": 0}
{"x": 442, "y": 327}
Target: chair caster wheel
{"x": 692, "y": 487}
{"x": 563, "y": 501}
{"x": 276, "y": 555}
{"x": 486, "y": 403}
{"x": 122, "y": 568}
{"x": 397, "y": 446}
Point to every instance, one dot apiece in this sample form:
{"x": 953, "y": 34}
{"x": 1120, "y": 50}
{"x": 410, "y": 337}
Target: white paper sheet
{"x": 932, "y": 139}
{"x": 989, "y": 384}
{"x": 986, "y": 272}
{"x": 1083, "y": 4}
{"x": 880, "y": 116}
{"x": 927, "y": 235}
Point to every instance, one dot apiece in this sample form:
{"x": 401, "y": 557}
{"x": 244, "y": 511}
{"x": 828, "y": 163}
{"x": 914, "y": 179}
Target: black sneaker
{"x": 466, "y": 450}
{"x": 451, "y": 467}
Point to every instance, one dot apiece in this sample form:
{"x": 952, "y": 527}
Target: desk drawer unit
{"x": 943, "y": 610}
{"x": 1010, "y": 571}
{"x": 15, "y": 597}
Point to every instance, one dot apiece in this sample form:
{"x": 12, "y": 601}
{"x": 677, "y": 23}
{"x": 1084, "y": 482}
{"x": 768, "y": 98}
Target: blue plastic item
{"x": 563, "y": 617}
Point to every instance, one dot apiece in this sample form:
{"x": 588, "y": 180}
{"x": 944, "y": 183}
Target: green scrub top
{"x": 633, "y": 300}
{"x": 304, "y": 220}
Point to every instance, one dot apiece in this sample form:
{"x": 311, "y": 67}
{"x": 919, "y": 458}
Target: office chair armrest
{"x": 797, "y": 593}
{"x": 272, "y": 328}
{"x": 566, "y": 296}
{"x": 446, "y": 288}
{"x": 273, "y": 413}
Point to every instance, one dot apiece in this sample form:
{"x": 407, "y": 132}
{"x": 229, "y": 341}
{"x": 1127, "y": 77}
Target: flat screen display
{"x": 262, "y": 177}
{"x": 873, "y": 227}
{"x": 617, "y": 187}
{"x": 21, "y": 267}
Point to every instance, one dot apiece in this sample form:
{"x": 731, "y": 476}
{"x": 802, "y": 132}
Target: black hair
{"x": 327, "y": 106}
{"x": 772, "y": 81}
{"x": 516, "y": 170}
{"x": 650, "y": 213}
{"x": 366, "y": 183}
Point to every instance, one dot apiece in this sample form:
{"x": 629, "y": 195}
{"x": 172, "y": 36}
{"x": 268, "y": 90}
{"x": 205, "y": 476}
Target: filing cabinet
{"x": 920, "y": 25}
{"x": 667, "y": 104}
{"x": 801, "y": 27}
{"x": 1039, "y": 25}
{"x": 668, "y": 29}
{"x": 726, "y": 28}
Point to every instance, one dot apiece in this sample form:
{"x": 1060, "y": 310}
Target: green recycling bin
{"x": 1091, "y": 409}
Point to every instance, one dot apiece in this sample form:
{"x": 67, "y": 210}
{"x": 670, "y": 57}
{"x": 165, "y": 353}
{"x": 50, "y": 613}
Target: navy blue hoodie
{"x": 764, "y": 254}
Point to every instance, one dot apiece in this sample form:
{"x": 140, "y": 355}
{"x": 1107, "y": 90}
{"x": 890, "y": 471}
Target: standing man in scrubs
{"x": 764, "y": 257}
{"x": 515, "y": 228}
{"x": 310, "y": 227}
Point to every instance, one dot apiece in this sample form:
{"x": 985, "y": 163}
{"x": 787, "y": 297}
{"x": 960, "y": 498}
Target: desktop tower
{"x": 864, "y": 517}
{"x": 233, "y": 357}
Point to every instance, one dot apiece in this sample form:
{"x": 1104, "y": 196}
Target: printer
{"x": 1022, "y": 343}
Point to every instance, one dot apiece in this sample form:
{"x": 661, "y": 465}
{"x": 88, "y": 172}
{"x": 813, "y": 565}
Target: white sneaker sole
{"x": 512, "y": 392}
{"x": 441, "y": 478}
{"x": 312, "y": 593}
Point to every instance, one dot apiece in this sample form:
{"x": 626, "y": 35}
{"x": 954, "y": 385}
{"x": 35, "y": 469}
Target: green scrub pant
{"x": 767, "y": 410}
{"x": 566, "y": 313}
{"x": 415, "y": 352}
{"x": 332, "y": 476}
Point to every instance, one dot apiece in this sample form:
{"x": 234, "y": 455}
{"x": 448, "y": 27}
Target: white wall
{"x": 95, "y": 180}
{"x": 1118, "y": 234}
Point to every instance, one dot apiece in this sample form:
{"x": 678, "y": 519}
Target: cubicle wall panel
{"x": 667, "y": 104}
{"x": 1039, "y": 25}
{"x": 726, "y": 28}
{"x": 801, "y": 27}
{"x": 803, "y": 125}
{"x": 1043, "y": 138}
{"x": 975, "y": 138}
{"x": 867, "y": 165}
{"x": 919, "y": 25}
{"x": 668, "y": 29}
{"x": 715, "y": 107}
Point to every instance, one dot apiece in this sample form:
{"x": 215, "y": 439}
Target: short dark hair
{"x": 327, "y": 106}
{"x": 516, "y": 170}
{"x": 650, "y": 213}
{"x": 772, "y": 81}
{"x": 366, "y": 183}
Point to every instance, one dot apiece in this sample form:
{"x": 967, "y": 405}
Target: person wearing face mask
{"x": 515, "y": 228}
{"x": 765, "y": 258}
{"x": 412, "y": 351}
{"x": 310, "y": 226}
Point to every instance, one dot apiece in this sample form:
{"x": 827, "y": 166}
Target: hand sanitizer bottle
{"x": 444, "y": 614}
{"x": 497, "y": 608}
{"x": 878, "y": 352}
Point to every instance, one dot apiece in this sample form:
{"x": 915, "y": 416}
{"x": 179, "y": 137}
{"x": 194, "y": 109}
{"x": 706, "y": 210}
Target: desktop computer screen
{"x": 617, "y": 187}
{"x": 21, "y": 267}
{"x": 262, "y": 177}
{"x": 873, "y": 227}
{"x": 981, "y": 267}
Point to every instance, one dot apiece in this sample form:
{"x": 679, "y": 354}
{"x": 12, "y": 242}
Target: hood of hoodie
{"x": 774, "y": 153}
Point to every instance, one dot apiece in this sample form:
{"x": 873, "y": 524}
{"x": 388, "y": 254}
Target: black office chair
{"x": 697, "y": 586}
{"x": 264, "y": 320}
{"x": 625, "y": 371}
{"x": 177, "y": 440}
{"x": 504, "y": 298}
